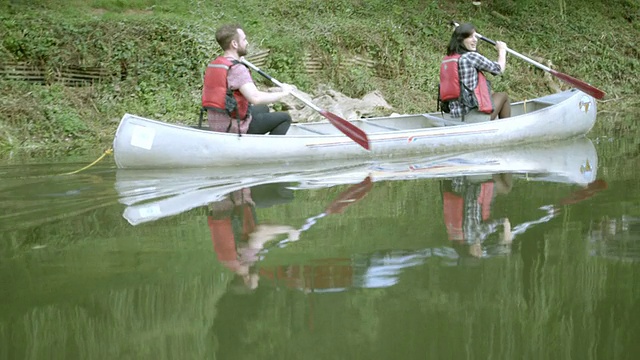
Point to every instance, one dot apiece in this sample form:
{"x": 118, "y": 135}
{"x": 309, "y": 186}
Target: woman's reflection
{"x": 467, "y": 205}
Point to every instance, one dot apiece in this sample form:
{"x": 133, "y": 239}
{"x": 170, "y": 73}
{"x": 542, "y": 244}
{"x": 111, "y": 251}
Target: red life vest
{"x": 223, "y": 236}
{"x": 216, "y": 94}
{"x": 450, "y": 84}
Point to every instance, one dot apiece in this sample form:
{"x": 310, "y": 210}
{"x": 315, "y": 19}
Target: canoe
{"x": 153, "y": 194}
{"x": 145, "y": 143}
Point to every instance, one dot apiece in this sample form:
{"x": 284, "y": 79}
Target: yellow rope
{"x": 107, "y": 152}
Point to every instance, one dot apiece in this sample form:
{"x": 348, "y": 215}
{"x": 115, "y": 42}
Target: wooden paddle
{"x": 591, "y": 90}
{"x": 352, "y": 131}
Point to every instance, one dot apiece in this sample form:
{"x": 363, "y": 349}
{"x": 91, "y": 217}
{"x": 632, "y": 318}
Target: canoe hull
{"x": 145, "y": 143}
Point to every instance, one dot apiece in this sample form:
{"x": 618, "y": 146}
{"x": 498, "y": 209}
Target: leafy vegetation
{"x": 155, "y": 52}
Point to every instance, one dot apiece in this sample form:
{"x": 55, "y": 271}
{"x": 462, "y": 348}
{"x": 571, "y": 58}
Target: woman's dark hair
{"x": 462, "y": 32}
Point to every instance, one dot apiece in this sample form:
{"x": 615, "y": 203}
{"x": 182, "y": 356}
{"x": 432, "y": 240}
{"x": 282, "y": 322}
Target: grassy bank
{"x": 153, "y": 54}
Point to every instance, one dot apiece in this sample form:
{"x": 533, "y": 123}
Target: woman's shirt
{"x": 468, "y": 66}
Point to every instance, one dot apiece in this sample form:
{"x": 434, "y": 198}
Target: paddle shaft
{"x": 355, "y": 133}
{"x": 346, "y": 198}
{"x": 278, "y": 83}
{"x": 517, "y": 54}
{"x": 591, "y": 90}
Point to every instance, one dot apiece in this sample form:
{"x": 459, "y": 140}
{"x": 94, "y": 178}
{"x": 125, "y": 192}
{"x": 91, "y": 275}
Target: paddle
{"x": 591, "y": 90}
{"x": 352, "y": 131}
{"x": 345, "y": 199}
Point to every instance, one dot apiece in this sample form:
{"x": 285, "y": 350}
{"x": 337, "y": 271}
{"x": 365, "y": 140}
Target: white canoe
{"x": 145, "y": 143}
{"x": 153, "y": 194}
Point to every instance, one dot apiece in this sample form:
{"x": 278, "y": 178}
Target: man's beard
{"x": 242, "y": 52}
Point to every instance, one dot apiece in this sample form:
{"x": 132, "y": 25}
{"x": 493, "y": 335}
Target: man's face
{"x": 242, "y": 43}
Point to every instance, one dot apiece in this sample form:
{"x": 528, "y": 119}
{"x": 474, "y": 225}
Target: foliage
{"x": 156, "y": 51}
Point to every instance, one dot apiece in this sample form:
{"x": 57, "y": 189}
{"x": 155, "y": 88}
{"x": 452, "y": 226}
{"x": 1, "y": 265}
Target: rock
{"x": 370, "y": 105}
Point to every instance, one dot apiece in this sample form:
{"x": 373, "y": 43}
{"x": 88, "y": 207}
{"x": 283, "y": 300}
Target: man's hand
{"x": 288, "y": 89}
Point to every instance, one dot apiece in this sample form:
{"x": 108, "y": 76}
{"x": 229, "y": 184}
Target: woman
{"x": 464, "y": 86}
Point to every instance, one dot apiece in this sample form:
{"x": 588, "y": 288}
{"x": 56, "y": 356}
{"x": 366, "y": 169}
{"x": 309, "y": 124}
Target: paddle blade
{"x": 355, "y": 133}
{"x": 583, "y": 86}
{"x": 350, "y": 196}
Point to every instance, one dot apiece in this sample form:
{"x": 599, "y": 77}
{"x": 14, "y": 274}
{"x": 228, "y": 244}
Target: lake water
{"x": 519, "y": 253}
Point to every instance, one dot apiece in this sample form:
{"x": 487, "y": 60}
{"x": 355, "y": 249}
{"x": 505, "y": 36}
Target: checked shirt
{"x": 468, "y": 66}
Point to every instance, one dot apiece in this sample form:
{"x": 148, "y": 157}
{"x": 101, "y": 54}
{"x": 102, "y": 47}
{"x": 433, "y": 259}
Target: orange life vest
{"x": 450, "y": 84}
{"x": 223, "y": 235}
{"x": 216, "y": 94}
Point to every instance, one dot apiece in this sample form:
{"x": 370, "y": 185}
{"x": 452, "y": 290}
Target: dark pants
{"x": 274, "y": 123}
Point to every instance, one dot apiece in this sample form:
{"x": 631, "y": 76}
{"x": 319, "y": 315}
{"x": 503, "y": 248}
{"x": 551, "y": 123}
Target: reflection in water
{"x": 236, "y": 234}
{"x": 151, "y": 194}
{"x": 467, "y": 205}
{"x": 616, "y": 238}
{"x": 467, "y": 202}
{"x": 470, "y": 182}
{"x": 363, "y": 262}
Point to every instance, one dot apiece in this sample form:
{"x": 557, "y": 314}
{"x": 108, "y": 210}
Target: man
{"x": 229, "y": 91}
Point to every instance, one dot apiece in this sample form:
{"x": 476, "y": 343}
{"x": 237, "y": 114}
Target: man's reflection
{"x": 467, "y": 205}
{"x": 239, "y": 240}
{"x": 237, "y": 236}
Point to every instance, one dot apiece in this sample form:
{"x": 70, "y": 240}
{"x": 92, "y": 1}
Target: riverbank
{"x": 148, "y": 58}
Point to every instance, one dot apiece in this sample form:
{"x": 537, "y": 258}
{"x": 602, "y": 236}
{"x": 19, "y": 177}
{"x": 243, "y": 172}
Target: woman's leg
{"x": 501, "y": 105}
{"x": 274, "y": 123}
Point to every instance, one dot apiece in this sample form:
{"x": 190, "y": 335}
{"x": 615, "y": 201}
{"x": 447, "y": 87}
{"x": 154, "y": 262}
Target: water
{"x": 523, "y": 253}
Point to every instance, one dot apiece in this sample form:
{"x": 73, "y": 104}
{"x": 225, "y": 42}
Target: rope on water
{"x": 106, "y": 152}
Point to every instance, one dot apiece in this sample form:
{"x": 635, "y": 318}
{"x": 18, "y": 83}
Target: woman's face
{"x": 470, "y": 42}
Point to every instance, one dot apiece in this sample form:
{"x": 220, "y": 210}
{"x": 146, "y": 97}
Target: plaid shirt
{"x": 468, "y": 66}
{"x": 475, "y": 228}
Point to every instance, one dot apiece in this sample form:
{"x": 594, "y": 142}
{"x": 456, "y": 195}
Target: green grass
{"x": 164, "y": 46}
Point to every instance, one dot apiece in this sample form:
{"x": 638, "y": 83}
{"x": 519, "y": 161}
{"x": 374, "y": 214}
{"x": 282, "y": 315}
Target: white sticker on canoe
{"x": 142, "y": 137}
{"x": 150, "y": 211}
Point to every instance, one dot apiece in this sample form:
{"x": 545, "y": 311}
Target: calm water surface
{"x": 522, "y": 253}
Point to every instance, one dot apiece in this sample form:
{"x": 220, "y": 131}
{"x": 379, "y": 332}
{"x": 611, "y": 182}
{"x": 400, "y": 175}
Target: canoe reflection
{"x": 154, "y": 194}
{"x": 469, "y": 183}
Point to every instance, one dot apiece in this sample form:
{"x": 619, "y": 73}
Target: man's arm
{"x": 255, "y": 96}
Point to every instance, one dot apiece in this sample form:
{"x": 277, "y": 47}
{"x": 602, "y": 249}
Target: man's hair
{"x": 227, "y": 33}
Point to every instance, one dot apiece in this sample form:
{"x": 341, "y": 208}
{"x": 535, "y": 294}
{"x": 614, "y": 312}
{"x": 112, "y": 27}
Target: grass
{"x": 163, "y": 45}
